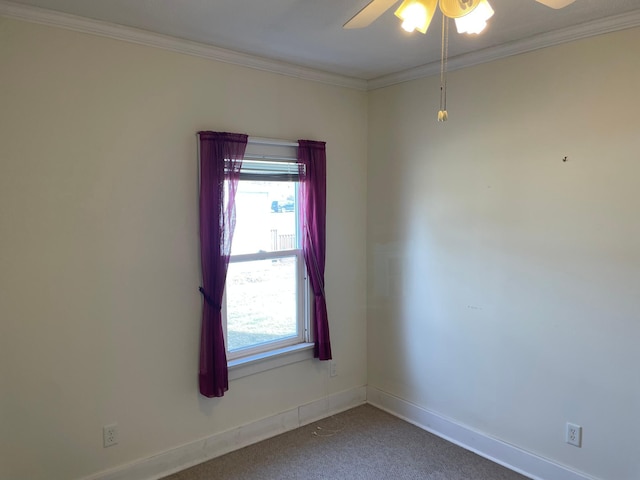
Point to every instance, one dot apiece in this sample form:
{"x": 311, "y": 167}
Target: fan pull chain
{"x": 442, "y": 113}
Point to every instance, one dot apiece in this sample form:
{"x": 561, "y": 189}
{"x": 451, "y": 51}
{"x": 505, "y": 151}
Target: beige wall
{"x": 99, "y": 261}
{"x": 504, "y": 282}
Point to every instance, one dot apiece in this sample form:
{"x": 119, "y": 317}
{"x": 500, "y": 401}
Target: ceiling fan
{"x": 470, "y": 16}
{"x": 417, "y": 14}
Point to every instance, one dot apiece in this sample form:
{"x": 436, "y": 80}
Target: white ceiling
{"x": 309, "y": 32}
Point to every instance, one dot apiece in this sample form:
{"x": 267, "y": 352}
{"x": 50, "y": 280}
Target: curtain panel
{"x": 221, "y": 157}
{"x": 313, "y": 193}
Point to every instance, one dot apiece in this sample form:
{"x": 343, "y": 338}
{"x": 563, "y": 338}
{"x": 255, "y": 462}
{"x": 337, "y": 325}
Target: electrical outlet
{"x": 110, "y": 435}
{"x": 573, "y": 435}
{"x": 332, "y": 369}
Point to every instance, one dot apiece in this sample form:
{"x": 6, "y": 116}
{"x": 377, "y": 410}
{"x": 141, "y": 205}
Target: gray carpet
{"x": 362, "y": 443}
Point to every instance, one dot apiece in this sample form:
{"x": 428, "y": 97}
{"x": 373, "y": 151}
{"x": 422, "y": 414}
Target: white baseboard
{"x": 193, "y": 453}
{"x": 185, "y": 456}
{"x": 497, "y": 451}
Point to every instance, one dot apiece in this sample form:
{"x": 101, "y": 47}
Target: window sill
{"x": 243, "y": 367}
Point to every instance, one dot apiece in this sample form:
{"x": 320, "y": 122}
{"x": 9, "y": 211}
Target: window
{"x": 222, "y": 155}
{"x": 266, "y": 303}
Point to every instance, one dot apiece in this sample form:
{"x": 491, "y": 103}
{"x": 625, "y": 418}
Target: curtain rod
{"x": 268, "y": 141}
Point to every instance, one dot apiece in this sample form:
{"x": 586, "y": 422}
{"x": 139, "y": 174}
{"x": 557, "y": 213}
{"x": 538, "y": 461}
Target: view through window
{"x": 265, "y": 300}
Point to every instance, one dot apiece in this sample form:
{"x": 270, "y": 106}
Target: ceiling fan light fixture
{"x": 557, "y": 4}
{"x": 458, "y": 8}
{"x": 416, "y": 14}
{"x": 476, "y": 21}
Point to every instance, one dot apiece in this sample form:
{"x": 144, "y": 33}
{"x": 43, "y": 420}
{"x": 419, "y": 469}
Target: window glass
{"x": 265, "y": 291}
{"x": 265, "y": 217}
{"x": 261, "y": 302}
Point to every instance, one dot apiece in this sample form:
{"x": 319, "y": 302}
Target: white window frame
{"x": 274, "y": 354}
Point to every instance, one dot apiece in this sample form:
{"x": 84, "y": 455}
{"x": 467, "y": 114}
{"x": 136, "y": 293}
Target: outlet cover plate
{"x": 110, "y": 435}
{"x": 573, "y": 435}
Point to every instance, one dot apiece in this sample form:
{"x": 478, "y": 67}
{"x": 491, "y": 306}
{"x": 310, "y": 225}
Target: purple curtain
{"x": 313, "y": 196}
{"x": 220, "y": 161}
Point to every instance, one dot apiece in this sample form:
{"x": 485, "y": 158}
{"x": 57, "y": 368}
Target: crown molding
{"x": 549, "y": 39}
{"x": 141, "y": 37}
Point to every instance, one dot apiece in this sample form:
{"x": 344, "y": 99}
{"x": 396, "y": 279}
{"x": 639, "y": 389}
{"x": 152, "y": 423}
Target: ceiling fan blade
{"x": 369, "y": 13}
{"x": 556, "y": 3}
